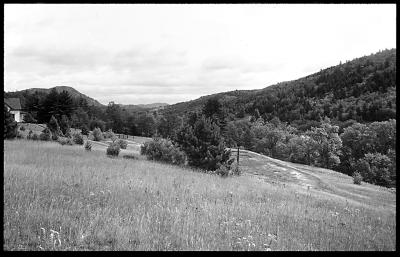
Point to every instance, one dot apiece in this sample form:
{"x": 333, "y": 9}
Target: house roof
{"x": 13, "y": 103}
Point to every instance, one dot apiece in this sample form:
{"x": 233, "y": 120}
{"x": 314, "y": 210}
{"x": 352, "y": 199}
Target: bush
{"x": 357, "y": 178}
{"x": 28, "y": 118}
{"x": 54, "y": 137}
{"x": 122, "y": 143}
{"x": 164, "y": 150}
{"x": 35, "y": 137}
{"x": 97, "y": 134}
{"x": 45, "y": 135}
{"x": 22, "y": 128}
{"x": 235, "y": 170}
{"x": 96, "y": 124}
{"x": 77, "y": 138}
{"x": 30, "y": 134}
{"x": 85, "y": 130}
{"x": 88, "y": 146}
{"x": 109, "y": 134}
{"x": 54, "y": 127}
{"x": 223, "y": 171}
{"x": 65, "y": 125}
{"x": 130, "y": 156}
{"x": 113, "y": 149}
{"x": 68, "y": 133}
{"x": 65, "y": 141}
{"x": 19, "y": 135}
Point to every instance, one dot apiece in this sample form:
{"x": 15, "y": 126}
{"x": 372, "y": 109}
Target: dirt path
{"x": 313, "y": 178}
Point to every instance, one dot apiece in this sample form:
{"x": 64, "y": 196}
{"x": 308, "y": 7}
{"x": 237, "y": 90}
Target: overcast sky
{"x": 134, "y": 54}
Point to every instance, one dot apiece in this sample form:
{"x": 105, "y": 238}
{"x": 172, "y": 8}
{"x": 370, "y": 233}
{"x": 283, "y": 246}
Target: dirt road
{"x": 312, "y": 178}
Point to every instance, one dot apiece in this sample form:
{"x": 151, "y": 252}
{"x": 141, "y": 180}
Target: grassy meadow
{"x": 65, "y": 198}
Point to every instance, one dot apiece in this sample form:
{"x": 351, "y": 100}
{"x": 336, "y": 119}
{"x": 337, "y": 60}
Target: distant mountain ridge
{"x": 91, "y": 101}
{"x": 153, "y": 105}
{"x": 72, "y": 91}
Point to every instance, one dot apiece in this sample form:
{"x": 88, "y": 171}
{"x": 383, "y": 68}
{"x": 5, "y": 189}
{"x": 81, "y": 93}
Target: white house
{"x": 14, "y": 106}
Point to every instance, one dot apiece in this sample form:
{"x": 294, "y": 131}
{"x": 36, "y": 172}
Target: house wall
{"x": 17, "y": 115}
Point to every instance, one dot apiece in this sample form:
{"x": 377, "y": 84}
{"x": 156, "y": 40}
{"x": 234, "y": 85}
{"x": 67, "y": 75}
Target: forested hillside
{"x": 25, "y": 95}
{"x": 362, "y": 90}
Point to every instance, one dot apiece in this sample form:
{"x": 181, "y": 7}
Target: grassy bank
{"x": 92, "y": 202}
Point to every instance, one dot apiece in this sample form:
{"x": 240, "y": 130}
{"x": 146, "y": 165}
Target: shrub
{"x": 130, "y": 156}
{"x": 54, "y": 127}
{"x": 65, "y": 141}
{"x": 85, "y": 130}
{"x": 22, "y": 128}
{"x": 357, "y": 178}
{"x": 109, "y": 134}
{"x": 96, "y": 124}
{"x": 77, "y": 138}
{"x": 19, "y": 135}
{"x": 235, "y": 169}
{"x": 54, "y": 136}
{"x": 30, "y": 134}
{"x": 122, "y": 143}
{"x": 28, "y": 118}
{"x": 223, "y": 171}
{"x": 88, "y": 146}
{"x": 164, "y": 150}
{"x": 45, "y": 135}
{"x": 65, "y": 125}
{"x": 68, "y": 133}
{"x": 113, "y": 149}
{"x": 35, "y": 137}
{"x": 97, "y": 134}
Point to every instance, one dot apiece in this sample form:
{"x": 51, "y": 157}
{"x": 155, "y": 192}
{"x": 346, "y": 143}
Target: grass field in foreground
{"x": 64, "y": 198}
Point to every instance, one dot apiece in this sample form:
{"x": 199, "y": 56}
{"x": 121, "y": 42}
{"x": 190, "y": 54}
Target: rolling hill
{"x": 363, "y": 89}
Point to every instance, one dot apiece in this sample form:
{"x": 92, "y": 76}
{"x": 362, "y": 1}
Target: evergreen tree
{"x": 54, "y": 127}
{"x": 49, "y": 107}
{"x": 65, "y": 124}
{"x": 65, "y": 104}
{"x": 203, "y": 145}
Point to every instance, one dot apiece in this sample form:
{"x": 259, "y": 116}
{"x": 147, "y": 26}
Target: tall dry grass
{"x": 91, "y": 202}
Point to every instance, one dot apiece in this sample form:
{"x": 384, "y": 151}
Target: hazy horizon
{"x": 142, "y": 54}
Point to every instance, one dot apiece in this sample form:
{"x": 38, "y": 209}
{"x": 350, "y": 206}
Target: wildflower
{"x": 268, "y": 249}
{"x": 273, "y": 237}
{"x": 55, "y": 237}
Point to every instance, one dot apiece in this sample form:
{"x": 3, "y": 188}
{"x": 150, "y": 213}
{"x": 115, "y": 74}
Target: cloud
{"x": 171, "y": 53}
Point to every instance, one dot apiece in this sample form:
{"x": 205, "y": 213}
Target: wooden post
{"x": 237, "y": 158}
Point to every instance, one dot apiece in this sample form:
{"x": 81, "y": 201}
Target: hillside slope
{"x": 99, "y": 203}
{"x": 319, "y": 180}
{"x": 363, "y": 89}
{"x": 75, "y": 94}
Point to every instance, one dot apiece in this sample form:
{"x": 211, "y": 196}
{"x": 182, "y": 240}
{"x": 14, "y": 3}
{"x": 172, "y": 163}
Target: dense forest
{"x": 342, "y": 118}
